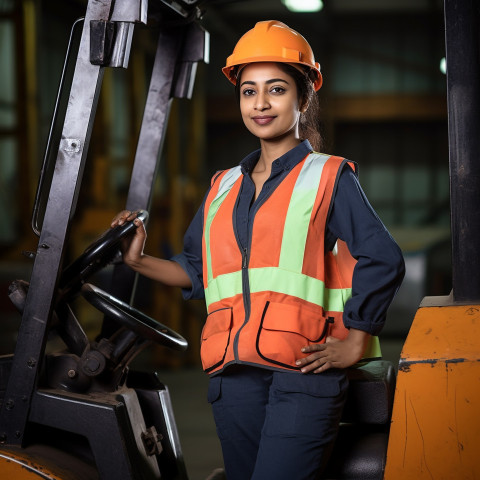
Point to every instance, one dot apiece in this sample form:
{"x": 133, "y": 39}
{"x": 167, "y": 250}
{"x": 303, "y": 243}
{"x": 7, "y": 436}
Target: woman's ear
{"x": 303, "y": 103}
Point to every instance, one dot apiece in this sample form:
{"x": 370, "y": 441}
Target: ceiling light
{"x": 303, "y": 5}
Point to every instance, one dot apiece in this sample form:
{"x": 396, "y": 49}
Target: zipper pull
{"x": 245, "y": 261}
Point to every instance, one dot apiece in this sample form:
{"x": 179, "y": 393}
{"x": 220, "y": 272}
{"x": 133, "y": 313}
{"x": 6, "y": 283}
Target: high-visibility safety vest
{"x": 282, "y": 292}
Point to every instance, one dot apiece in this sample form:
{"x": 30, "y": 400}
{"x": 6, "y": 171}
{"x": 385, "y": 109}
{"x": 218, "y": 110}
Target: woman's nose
{"x": 261, "y": 102}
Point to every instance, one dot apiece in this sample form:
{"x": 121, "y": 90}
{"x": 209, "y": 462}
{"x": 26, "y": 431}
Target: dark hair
{"x": 309, "y": 128}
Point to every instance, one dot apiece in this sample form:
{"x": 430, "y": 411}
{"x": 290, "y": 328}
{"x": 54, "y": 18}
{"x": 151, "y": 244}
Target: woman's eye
{"x": 278, "y": 90}
{"x": 248, "y": 92}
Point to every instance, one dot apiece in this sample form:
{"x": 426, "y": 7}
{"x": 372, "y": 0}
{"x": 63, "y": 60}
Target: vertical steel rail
{"x": 462, "y": 18}
{"x": 178, "y": 52}
{"x": 155, "y": 118}
{"x": 149, "y": 147}
{"x": 64, "y": 190}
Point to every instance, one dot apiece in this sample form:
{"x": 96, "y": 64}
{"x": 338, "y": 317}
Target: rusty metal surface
{"x": 42, "y": 462}
{"x": 435, "y": 425}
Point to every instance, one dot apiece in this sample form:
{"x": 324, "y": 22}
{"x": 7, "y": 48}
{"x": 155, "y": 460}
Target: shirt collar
{"x": 286, "y": 162}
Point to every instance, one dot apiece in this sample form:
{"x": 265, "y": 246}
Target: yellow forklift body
{"x": 435, "y": 427}
{"x": 42, "y": 462}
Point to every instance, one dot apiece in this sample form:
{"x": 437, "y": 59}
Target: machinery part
{"x": 60, "y": 208}
{"x": 63, "y": 372}
{"x": 272, "y": 41}
{"x": 462, "y": 23}
{"x": 17, "y": 292}
{"x": 361, "y": 447}
{"x": 101, "y": 41}
{"x": 132, "y": 318}
{"x": 435, "y": 422}
{"x": 110, "y": 43}
{"x": 43, "y": 462}
{"x": 93, "y": 363}
{"x": 152, "y": 440}
{"x": 68, "y": 328}
{"x": 107, "y": 423}
{"x": 155, "y": 401}
{"x": 178, "y": 51}
{"x": 48, "y": 163}
{"x": 98, "y": 254}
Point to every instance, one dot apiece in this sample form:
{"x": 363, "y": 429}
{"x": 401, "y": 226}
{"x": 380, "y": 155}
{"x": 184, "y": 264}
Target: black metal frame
{"x": 462, "y": 20}
{"x": 111, "y": 421}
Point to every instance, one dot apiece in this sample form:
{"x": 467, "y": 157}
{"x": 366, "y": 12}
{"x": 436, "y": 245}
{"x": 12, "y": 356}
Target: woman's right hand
{"x": 132, "y": 246}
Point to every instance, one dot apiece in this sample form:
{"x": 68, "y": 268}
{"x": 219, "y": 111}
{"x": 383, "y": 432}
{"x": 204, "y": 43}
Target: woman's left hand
{"x": 334, "y": 353}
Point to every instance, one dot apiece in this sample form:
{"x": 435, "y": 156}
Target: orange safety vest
{"x": 266, "y": 303}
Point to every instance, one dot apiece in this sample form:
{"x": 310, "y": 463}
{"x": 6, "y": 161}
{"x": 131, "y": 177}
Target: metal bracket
{"x": 110, "y": 43}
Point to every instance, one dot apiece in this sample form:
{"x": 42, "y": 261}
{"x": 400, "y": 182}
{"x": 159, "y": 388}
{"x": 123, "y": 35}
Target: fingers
{"x": 323, "y": 356}
{"x": 334, "y": 353}
{"x": 317, "y": 362}
{"x": 313, "y": 364}
{"x": 331, "y": 339}
{"x": 125, "y": 216}
{"x": 315, "y": 347}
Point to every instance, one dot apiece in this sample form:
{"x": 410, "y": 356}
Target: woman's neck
{"x": 270, "y": 151}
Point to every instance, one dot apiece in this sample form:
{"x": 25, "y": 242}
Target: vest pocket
{"x": 285, "y": 329}
{"x": 216, "y": 338}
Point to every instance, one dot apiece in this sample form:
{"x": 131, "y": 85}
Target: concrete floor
{"x": 188, "y": 391}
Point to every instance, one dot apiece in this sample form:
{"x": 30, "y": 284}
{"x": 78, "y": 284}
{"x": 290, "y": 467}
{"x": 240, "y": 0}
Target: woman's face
{"x": 269, "y": 102}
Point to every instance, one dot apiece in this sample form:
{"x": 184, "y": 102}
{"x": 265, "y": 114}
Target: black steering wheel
{"x": 132, "y": 318}
{"x": 97, "y": 255}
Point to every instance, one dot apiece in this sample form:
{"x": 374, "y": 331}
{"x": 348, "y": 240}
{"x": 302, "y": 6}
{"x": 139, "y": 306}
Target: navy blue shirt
{"x": 380, "y": 267}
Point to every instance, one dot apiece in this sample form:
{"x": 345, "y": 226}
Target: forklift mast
{"x": 462, "y": 21}
{"x": 435, "y": 424}
{"x": 105, "y": 41}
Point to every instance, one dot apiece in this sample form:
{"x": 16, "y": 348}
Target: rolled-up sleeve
{"x": 380, "y": 266}
{"x": 191, "y": 257}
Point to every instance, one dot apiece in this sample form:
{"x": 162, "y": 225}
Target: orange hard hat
{"x": 272, "y": 41}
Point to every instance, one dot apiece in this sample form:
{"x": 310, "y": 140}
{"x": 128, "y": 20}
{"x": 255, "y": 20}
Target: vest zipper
{"x": 245, "y": 259}
{"x": 246, "y": 299}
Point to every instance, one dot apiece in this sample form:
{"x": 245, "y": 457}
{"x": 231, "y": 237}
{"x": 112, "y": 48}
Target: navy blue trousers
{"x": 276, "y": 425}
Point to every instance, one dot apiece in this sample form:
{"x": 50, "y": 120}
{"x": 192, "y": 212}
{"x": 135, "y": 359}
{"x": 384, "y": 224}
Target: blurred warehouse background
{"x": 383, "y": 106}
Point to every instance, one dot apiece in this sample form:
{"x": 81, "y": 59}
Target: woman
{"x": 295, "y": 266}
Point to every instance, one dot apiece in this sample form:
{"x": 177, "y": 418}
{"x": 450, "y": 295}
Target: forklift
{"x": 82, "y": 413}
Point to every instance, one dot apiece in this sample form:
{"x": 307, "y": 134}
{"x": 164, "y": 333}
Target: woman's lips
{"x": 263, "y": 120}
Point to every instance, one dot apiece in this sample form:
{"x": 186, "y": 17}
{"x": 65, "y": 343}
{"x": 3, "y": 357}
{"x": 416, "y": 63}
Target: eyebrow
{"x": 273, "y": 80}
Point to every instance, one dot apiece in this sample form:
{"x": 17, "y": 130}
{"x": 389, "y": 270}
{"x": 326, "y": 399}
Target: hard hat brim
{"x": 230, "y": 71}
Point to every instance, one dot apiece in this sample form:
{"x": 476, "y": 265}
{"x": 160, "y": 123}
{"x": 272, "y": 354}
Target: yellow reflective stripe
{"x": 302, "y": 200}
{"x": 274, "y": 279}
{"x": 373, "y": 349}
{"x": 298, "y": 285}
{"x": 266, "y": 279}
{"x": 223, "y": 286}
{"x": 225, "y": 186}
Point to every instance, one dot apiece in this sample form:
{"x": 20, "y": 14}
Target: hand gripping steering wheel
{"x": 96, "y": 256}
